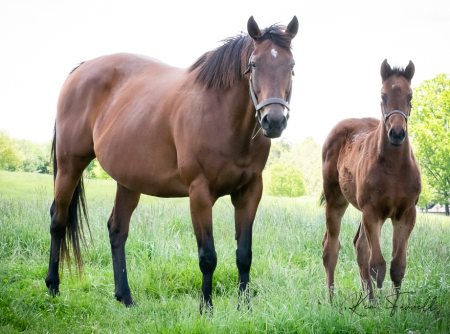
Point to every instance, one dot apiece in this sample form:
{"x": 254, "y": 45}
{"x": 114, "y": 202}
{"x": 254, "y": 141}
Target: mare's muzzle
{"x": 273, "y": 123}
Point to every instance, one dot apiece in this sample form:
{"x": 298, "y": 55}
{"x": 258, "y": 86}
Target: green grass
{"x": 287, "y": 278}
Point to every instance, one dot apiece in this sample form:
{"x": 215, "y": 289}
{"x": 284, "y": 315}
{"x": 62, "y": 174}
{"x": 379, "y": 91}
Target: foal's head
{"x": 396, "y": 96}
{"x": 271, "y": 68}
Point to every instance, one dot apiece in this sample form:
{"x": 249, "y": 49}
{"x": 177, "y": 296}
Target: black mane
{"x": 224, "y": 66}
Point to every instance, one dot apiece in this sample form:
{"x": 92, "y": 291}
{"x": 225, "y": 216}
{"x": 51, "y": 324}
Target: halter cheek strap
{"x": 272, "y": 100}
{"x": 386, "y": 116}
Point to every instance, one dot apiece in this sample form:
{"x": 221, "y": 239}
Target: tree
{"x": 99, "y": 173}
{"x": 283, "y": 180}
{"x": 305, "y": 156}
{"x": 10, "y": 156}
{"x": 429, "y": 128}
{"x": 36, "y": 156}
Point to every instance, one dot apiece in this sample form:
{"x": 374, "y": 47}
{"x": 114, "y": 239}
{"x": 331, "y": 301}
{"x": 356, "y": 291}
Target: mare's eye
{"x": 383, "y": 98}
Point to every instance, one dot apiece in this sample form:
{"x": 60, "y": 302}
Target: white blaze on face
{"x": 393, "y": 86}
{"x": 274, "y": 53}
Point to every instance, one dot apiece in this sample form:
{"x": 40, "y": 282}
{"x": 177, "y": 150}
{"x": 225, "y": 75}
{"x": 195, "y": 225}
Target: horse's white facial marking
{"x": 393, "y": 86}
{"x": 274, "y": 53}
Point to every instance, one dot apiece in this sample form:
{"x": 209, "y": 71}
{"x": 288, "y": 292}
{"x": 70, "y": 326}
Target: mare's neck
{"x": 391, "y": 154}
{"x": 242, "y": 113}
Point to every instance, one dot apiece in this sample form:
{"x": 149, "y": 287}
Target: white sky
{"x": 338, "y": 50}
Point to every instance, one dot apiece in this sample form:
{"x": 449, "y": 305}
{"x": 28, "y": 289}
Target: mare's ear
{"x": 385, "y": 70}
{"x": 292, "y": 27}
{"x": 409, "y": 71}
{"x": 253, "y": 29}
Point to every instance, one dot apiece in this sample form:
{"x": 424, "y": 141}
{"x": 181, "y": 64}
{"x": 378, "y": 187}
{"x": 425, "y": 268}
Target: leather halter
{"x": 272, "y": 100}
{"x": 386, "y": 116}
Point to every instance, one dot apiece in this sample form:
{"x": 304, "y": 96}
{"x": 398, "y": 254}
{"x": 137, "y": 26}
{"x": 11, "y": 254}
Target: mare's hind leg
{"x": 336, "y": 204}
{"x": 67, "y": 177}
{"x": 245, "y": 203}
{"x": 362, "y": 251}
{"x": 118, "y": 226}
{"x": 402, "y": 231}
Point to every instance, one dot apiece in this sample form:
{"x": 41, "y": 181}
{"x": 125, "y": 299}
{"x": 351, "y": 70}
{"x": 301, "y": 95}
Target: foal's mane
{"x": 224, "y": 66}
{"x": 398, "y": 71}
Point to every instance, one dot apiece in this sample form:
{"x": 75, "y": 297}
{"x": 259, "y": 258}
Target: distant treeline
{"x": 292, "y": 170}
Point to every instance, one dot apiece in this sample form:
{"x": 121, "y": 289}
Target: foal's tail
{"x": 322, "y": 199}
{"x": 74, "y": 227}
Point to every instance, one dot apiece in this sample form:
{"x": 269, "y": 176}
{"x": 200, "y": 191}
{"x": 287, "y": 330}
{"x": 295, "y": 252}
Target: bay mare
{"x": 369, "y": 163}
{"x": 171, "y": 132}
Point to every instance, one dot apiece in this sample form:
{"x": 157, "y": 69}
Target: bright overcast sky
{"x": 338, "y": 50}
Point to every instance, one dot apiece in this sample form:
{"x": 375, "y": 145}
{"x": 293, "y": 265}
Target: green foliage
{"x": 36, "y": 156}
{"x": 284, "y": 180}
{"x": 427, "y": 195}
{"x": 98, "y": 172}
{"x": 429, "y": 128}
{"x": 10, "y": 156}
{"x": 305, "y": 156}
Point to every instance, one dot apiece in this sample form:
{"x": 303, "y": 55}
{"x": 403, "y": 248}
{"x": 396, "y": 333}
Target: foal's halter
{"x": 386, "y": 116}
{"x": 272, "y": 100}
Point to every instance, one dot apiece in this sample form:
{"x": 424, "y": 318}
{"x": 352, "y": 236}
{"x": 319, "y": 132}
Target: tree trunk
{"x": 447, "y": 213}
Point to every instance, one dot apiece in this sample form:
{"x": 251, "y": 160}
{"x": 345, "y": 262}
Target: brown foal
{"x": 171, "y": 132}
{"x": 370, "y": 164}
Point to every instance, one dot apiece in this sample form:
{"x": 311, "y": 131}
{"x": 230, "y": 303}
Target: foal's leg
{"x": 118, "y": 226}
{"x": 335, "y": 208}
{"x": 402, "y": 231}
{"x": 67, "y": 177}
{"x": 201, "y": 203}
{"x": 377, "y": 265}
{"x": 245, "y": 204}
{"x": 362, "y": 257}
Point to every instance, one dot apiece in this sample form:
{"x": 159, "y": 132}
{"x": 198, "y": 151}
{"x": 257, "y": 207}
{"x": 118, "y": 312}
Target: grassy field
{"x": 287, "y": 276}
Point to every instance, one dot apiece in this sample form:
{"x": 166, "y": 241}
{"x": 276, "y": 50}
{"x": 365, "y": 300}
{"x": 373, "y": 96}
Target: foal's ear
{"x": 292, "y": 27}
{"x": 253, "y": 29}
{"x": 385, "y": 70}
{"x": 409, "y": 71}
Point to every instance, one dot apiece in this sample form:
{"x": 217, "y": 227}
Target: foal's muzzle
{"x": 273, "y": 125}
{"x": 397, "y": 138}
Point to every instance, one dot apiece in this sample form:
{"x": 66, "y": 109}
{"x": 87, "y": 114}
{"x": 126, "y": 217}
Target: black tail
{"x": 322, "y": 199}
{"x": 74, "y": 227}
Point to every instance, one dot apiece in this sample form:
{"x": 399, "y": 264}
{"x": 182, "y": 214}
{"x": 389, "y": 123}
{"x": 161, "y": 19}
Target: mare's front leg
{"x": 118, "y": 226}
{"x": 201, "y": 203}
{"x": 402, "y": 230}
{"x": 245, "y": 203}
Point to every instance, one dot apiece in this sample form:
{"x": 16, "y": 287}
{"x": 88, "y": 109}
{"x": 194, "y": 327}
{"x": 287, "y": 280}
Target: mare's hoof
{"x": 127, "y": 301}
{"x": 53, "y": 289}
{"x": 52, "y": 283}
{"x": 207, "y": 309}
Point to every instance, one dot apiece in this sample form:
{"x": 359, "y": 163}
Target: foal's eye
{"x": 253, "y": 64}
{"x": 293, "y": 73}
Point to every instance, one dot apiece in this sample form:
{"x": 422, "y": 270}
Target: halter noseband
{"x": 272, "y": 100}
{"x": 386, "y": 116}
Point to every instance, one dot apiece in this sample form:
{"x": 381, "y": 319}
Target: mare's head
{"x": 271, "y": 68}
{"x": 396, "y": 96}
